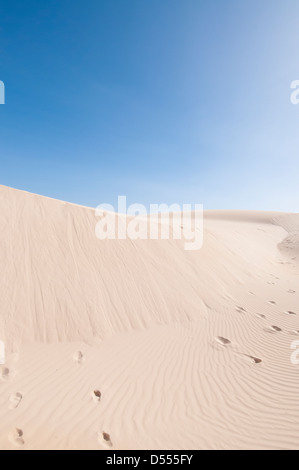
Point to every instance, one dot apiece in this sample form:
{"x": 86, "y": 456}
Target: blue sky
{"x": 174, "y": 101}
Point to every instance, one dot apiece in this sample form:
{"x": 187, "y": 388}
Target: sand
{"x": 140, "y": 344}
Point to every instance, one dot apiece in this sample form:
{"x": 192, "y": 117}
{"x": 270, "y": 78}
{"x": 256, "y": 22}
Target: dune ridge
{"x": 141, "y": 341}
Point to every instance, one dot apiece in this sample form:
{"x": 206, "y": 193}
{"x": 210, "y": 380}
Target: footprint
{"x": 78, "y": 357}
{"x": 294, "y": 332}
{"x": 253, "y": 359}
{"x": 4, "y": 373}
{"x": 289, "y": 312}
{"x": 241, "y": 309}
{"x": 260, "y": 315}
{"x": 291, "y": 291}
{"x": 16, "y": 437}
{"x": 96, "y": 395}
{"x": 223, "y": 341}
{"x": 273, "y": 329}
{"x": 15, "y": 400}
{"x": 272, "y": 302}
{"x": 104, "y": 438}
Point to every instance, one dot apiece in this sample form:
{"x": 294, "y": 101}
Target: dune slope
{"x": 185, "y": 350}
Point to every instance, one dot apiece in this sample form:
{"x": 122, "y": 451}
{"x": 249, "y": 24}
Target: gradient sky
{"x": 173, "y": 101}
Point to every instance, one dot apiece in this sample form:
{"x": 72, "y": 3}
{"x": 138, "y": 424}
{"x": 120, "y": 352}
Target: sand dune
{"x": 140, "y": 344}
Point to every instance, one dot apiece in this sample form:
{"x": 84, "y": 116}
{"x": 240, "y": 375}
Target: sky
{"x": 164, "y": 101}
